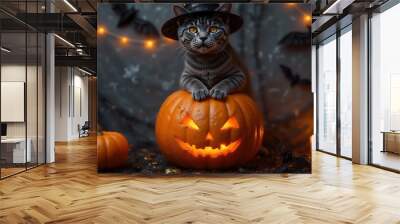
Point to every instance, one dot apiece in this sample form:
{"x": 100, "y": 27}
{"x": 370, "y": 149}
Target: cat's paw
{"x": 218, "y": 93}
{"x": 200, "y": 94}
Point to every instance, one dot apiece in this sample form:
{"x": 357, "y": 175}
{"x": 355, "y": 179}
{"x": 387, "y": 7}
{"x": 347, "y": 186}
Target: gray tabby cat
{"x": 209, "y": 69}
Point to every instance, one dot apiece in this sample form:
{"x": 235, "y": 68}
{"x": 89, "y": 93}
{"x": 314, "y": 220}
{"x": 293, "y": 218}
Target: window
{"x": 385, "y": 89}
{"x": 334, "y": 106}
{"x": 346, "y": 75}
{"x": 326, "y": 140}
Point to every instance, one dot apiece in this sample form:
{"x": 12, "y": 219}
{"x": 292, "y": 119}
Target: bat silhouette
{"x": 295, "y": 79}
{"x": 295, "y": 40}
{"x": 129, "y": 16}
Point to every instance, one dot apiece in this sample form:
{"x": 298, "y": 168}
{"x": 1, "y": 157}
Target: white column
{"x": 360, "y": 90}
{"x": 50, "y": 93}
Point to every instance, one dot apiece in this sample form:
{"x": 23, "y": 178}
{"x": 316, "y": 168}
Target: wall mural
{"x": 204, "y": 88}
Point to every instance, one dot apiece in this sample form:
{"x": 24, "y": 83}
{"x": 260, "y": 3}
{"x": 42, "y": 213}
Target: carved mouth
{"x": 209, "y": 151}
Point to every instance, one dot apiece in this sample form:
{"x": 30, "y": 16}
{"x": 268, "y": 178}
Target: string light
{"x": 5, "y": 50}
{"x": 101, "y": 30}
{"x": 70, "y": 5}
{"x": 149, "y": 44}
{"x": 307, "y": 19}
{"x": 64, "y": 40}
{"x": 291, "y": 5}
{"x": 123, "y": 40}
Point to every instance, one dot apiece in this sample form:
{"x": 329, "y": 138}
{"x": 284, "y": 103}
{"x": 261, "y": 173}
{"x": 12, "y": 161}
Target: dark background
{"x": 275, "y": 46}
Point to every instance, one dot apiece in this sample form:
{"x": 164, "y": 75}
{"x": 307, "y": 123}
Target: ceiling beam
{"x": 83, "y": 23}
{"x": 337, "y": 7}
{"x": 49, "y": 22}
{"x": 76, "y": 61}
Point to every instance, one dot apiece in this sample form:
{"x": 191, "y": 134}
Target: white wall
{"x": 33, "y": 126}
{"x": 13, "y": 101}
{"x": 71, "y": 102}
{"x": 80, "y": 112}
{"x": 62, "y": 81}
{"x": 12, "y": 73}
{"x": 16, "y": 73}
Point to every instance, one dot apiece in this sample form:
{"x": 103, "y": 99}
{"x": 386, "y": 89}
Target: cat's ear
{"x": 178, "y": 10}
{"x": 225, "y": 7}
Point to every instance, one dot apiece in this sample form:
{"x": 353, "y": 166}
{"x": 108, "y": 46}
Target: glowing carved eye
{"x": 188, "y": 122}
{"x": 193, "y": 29}
{"x": 213, "y": 29}
{"x": 230, "y": 123}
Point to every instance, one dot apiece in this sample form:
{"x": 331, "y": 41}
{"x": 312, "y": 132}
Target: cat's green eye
{"x": 193, "y": 29}
{"x": 213, "y": 29}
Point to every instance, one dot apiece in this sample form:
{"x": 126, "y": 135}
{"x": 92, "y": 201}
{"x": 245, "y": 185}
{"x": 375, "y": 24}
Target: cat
{"x": 209, "y": 70}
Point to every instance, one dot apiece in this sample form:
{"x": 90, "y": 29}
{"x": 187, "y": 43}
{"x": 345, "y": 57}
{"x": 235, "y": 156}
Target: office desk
{"x": 391, "y": 141}
{"x": 16, "y": 147}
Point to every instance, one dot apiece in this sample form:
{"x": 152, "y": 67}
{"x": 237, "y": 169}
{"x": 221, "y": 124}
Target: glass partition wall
{"x": 334, "y": 93}
{"x": 22, "y": 77}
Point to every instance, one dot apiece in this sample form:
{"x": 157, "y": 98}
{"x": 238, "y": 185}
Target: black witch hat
{"x": 170, "y": 28}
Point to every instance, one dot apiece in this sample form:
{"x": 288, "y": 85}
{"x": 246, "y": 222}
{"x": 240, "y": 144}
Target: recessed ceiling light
{"x": 70, "y": 5}
{"x": 64, "y": 40}
{"x": 337, "y": 7}
{"x": 84, "y": 71}
{"x": 5, "y": 50}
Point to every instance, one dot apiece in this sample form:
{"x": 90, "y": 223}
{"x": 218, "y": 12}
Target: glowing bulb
{"x": 101, "y": 30}
{"x": 124, "y": 40}
{"x": 149, "y": 44}
{"x": 307, "y": 19}
{"x": 291, "y": 5}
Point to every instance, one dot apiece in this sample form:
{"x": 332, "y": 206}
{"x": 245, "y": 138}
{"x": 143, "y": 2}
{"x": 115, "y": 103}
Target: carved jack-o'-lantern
{"x": 209, "y": 134}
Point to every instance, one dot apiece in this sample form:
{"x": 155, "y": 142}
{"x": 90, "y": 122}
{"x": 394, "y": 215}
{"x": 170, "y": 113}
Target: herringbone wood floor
{"x": 70, "y": 191}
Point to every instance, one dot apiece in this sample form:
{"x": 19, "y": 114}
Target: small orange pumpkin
{"x": 209, "y": 134}
{"x": 112, "y": 150}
